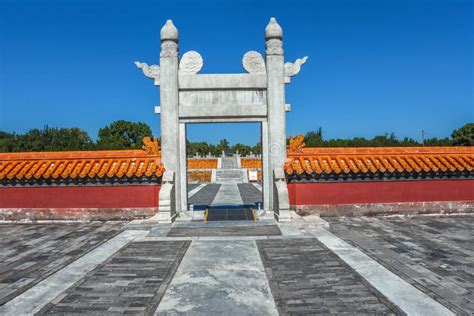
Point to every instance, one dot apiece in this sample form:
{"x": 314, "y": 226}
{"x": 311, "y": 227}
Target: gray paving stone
{"x": 250, "y": 194}
{"x": 131, "y": 281}
{"x": 32, "y": 252}
{"x": 306, "y": 278}
{"x": 434, "y": 254}
{"x": 192, "y": 186}
{"x": 205, "y": 196}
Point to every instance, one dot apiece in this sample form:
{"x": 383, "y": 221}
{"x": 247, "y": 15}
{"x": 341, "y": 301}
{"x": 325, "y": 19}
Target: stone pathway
{"x": 32, "y": 252}
{"x": 132, "y": 281}
{"x": 50, "y": 288}
{"x": 204, "y": 197}
{"x": 193, "y": 189}
{"x": 228, "y": 195}
{"x": 307, "y": 278}
{"x": 231, "y": 194}
{"x": 385, "y": 266}
{"x": 219, "y": 278}
{"x": 409, "y": 299}
{"x": 435, "y": 254}
{"x": 250, "y": 194}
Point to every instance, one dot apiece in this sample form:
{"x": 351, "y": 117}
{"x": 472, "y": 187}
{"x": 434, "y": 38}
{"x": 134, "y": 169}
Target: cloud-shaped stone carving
{"x": 152, "y": 72}
{"x": 292, "y": 69}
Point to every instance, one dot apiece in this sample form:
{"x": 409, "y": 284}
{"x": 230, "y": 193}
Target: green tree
{"x": 385, "y": 140}
{"x": 438, "y": 142}
{"x": 223, "y": 145}
{"x": 407, "y": 142}
{"x": 357, "y": 142}
{"x": 244, "y": 150}
{"x": 257, "y": 149}
{"x": 123, "y": 135}
{"x": 61, "y": 139}
{"x": 8, "y": 141}
{"x": 201, "y": 148}
{"x": 314, "y": 138}
{"x": 46, "y": 139}
{"x": 464, "y": 136}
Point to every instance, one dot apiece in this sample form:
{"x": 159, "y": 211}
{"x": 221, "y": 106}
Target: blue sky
{"x": 374, "y": 66}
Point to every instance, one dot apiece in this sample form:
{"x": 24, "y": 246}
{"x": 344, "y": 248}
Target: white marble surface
{"x": 219, "y": 278}
{"x": 228, "y": 194}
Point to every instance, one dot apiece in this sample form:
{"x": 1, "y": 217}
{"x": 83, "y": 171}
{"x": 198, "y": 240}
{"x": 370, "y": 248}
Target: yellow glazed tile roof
{"x": 79, "y": 165}
{"x": 301, "y": 162}
{"x": 380, "y": 160}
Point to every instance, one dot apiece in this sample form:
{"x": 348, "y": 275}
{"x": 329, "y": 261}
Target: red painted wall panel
{"x": 380, "y": 192}
{"x": 80, "y": 197}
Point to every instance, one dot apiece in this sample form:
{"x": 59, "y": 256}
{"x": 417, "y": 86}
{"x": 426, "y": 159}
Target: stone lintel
{"x": 230, "y": 119}
{"x": 222, "y": 81}
{"x": 209, "y": 111}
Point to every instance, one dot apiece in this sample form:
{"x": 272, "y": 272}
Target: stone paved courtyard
{"x": 306, "y": 266}
{"x": 435, "y": 254}
{"x": 31, "y": 253}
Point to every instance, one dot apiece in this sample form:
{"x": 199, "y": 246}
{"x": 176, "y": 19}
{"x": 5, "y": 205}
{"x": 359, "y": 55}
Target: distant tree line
{"x": 463, "y": 136}
{"x": 129, "y": 135}
{"x": 118, "y": 135}
{"x": 203, "y": 148}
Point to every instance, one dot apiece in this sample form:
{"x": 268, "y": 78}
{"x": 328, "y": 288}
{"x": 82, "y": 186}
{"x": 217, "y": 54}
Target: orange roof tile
{"x": 79, "y": 165}
{"x": 384, "y": 161}
{"x": 313, "y": 162}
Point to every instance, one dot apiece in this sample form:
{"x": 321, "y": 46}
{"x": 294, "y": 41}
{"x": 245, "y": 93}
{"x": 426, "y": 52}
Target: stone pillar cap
{"x": 169, "y": 31}
{"x": 273, "y": 30}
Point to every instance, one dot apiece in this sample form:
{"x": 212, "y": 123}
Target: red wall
{"x": 80, "y": 197}
{"x": 324, "y": 193}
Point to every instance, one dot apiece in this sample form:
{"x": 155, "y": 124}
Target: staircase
{"x": 230, "y": 163}
{"x": 230, "y": 175}
{"x": 230, "y": 171}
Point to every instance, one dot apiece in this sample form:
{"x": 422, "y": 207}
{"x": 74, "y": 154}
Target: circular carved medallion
{"x": 253, "y": 62}
{"x": 191, "y": 63}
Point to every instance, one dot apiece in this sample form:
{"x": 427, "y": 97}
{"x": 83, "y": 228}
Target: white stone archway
{"x": 255, "y": 96}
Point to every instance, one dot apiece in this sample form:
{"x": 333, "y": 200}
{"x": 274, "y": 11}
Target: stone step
{"x": 229, "y": 163}
{"x": 230, "y": 175}
{"x": 229, "y": 172}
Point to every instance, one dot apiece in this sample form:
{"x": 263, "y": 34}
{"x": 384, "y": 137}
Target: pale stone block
{"x": 166, "y": 203}
{"x": 232, "y": 97}
{"x": 281, "y": 203}
{"x": 222, "y": 81}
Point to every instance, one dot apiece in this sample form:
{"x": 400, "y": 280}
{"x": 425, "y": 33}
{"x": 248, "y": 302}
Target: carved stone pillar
{"x": 275, "y": 96}
{"x": 169, "y": 101}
